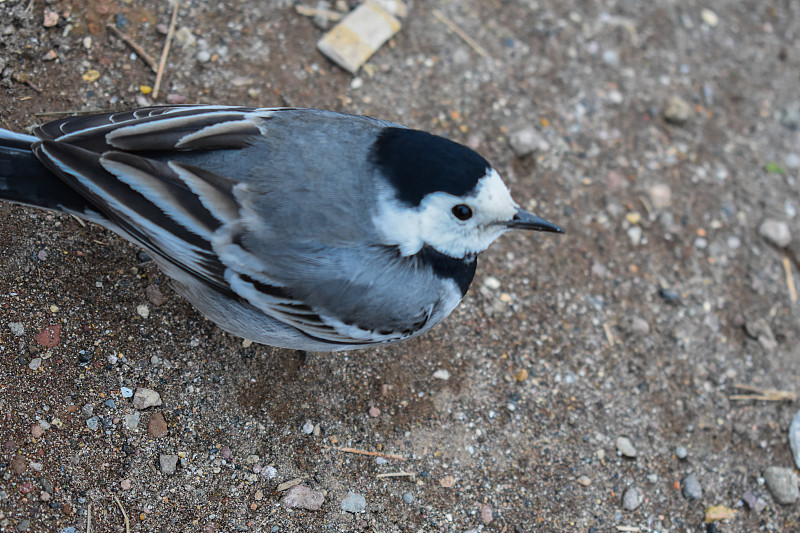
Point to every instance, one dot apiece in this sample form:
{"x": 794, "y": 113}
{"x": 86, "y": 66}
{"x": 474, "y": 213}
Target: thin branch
{"x": 135, "y": 47}
{"x": 124, "y": 515}
{"x": 165, "y": 52}
{"x": 461, "y": 33}
{"x": 365, "y": 452}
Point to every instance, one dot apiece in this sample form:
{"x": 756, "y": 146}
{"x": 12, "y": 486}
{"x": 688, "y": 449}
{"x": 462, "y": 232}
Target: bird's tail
{"x": 25, "y": 180}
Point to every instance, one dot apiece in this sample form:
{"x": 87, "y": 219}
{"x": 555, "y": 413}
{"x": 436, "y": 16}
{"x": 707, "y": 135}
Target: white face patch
{"x": 434, "y": 224}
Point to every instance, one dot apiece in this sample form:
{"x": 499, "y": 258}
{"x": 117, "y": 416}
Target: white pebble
{"x": 442, "y": 374}
{"x": 143, "y": 311}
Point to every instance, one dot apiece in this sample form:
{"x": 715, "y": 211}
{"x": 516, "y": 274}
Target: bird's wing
{"x": 193, "y": 220}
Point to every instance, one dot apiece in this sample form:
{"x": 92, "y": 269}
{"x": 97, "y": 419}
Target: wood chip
{"x": 352, "y": 42}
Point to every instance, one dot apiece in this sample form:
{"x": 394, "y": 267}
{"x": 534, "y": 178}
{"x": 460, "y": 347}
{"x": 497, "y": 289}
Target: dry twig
{"x": 609, "y": 335}
{"x": 124, "y": 515}
{"x": 397, "y": 474}
{"x": 165, "y": 52}
{"x": 767, "y": 395}
{"x": 365, "y": 452}
{"x": 89, "y": 518}
{"x": 787, "y": 267}
{"x": 308, "y": 11}
{"x": 125, "y": 38}
{"x": 461, "y": 33}
{"x": 70, "y": 112}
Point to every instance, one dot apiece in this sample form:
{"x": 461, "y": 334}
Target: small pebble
{"x": 50, "y": 18}
{"x": 157, "y": 426}
{"x": 303, "y": 497}
{"x": 36, "y": 467}
{"x": 487, "y": 515}
{"x": 308, "y": 427}
{"x": 111, "y": 404}
{"x": 125, "y": 484}
{"x": 131, "y": 421}
{"x": 635, "y": 235}
{"x": 17, "y": 329}
{"x": 526, "y": 141}
{"x": 442, "y": 374}
{"x": 18, "y": 464}
{"x": 782, "y": 483}
{"x": 776, "y": 232}
{"x": 794, "y": 438}
{"x": 709, "y": 18}
{"x": 625, "y": 447}
{"x": 681, "y": 452}
{"x": 660, "y": 195}
{"x": 126, "y": 392}
{"x": 93, "y": 423}
{"x": 176, "y": 99}
{"x": 203, "y": 56}
{"x": 143, "y": 311}
{"x": 632, "y": 499}
{"x": 87, "y": 410}
{"x": 691, "y": 488}
{"x": 24, "y": 525}
{"x": 677, "y": 111}
{"x": 154, "y": 295}
{"x": 35, "y": 363}
{"x": 492, "y": 282}
{"x": 408, "y": 497}
{"x": 36, "y": 431}
{"x": 354, "y": 503}
{"x": 374, "y": 412}
{"x": 144, "y": 398}
{"x": 168, "y": 463}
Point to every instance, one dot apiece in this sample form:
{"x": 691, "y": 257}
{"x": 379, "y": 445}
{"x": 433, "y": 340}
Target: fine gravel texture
{"x": 660, "y": 135}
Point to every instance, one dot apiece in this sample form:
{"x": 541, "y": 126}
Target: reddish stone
{"x": 49, "y": 336}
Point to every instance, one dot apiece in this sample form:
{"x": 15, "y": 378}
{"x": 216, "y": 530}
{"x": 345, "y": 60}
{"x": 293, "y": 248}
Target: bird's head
{"x": 444, "y": 195}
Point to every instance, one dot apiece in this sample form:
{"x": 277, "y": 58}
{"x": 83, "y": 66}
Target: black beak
{"x": 523, "y": 220}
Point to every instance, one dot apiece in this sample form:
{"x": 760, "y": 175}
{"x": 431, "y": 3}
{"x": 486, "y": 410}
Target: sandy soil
{"x": 641, "y": 322}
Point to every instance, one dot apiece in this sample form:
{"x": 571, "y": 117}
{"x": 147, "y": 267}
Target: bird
{"x": 297, "y": 228}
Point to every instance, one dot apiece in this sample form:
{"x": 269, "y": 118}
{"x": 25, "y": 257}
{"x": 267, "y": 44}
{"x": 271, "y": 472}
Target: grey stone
{"x": 408, "y": 497}
{"x": 782, "y": 483}
{"x": 792, "y": 161}
{"x": 131, "y": 420}
{"x": 17, "y": 329}
{"x": 144, "y": 398}
{"x": 759, "y": 329}
{"x": 168, "y": 463}
{"x": 632, "y": 499}
{"x": 691, "y": 488}
{"x": 681, "y": 452}
{"x": 625, "y": 447}
{"x": 354, "y": 503}
{"x": 92, "y": 423}
{"x": 776, "y": 232}
{"x": 303, "y": 497}
{"x": 794, "y": 438}
{"x": 527, "y": 141}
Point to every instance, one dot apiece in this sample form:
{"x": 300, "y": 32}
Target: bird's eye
{"x": 462, "y": 212}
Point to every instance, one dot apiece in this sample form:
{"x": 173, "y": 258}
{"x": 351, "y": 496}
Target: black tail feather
{"x": 24, "y": 180}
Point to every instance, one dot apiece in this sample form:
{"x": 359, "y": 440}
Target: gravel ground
{"x": 587, "y": 383}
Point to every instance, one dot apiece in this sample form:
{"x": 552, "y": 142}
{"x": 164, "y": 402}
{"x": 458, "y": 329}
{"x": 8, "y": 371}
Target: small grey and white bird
{"x": 297, "y": 228}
